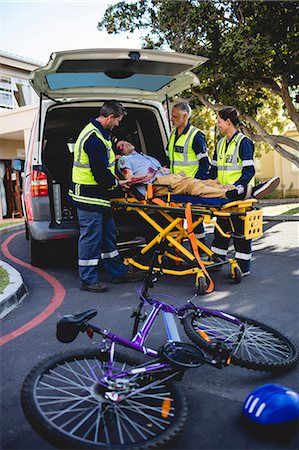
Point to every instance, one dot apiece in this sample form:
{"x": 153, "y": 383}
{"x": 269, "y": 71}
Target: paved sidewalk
{"x": 15, "y": 291}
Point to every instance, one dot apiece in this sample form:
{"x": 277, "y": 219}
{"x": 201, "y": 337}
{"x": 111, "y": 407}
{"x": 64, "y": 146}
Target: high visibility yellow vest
{"x": 181, "y": 154}
{"x": 229, "y": 163}
{"x": 82, "y": 173}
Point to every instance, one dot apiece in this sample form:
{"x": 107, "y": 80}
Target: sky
{"x": 35, "y": 29}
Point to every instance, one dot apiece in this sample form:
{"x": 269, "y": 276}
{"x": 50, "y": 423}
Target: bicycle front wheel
{"x": 259, "y": 347}
{"x": 64, "y": 401}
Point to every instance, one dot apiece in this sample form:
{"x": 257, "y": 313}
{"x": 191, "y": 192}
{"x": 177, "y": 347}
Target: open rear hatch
{"x": 115, "y": 73}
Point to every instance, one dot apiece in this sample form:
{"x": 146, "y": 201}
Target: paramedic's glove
{"x": 240, "y": 189}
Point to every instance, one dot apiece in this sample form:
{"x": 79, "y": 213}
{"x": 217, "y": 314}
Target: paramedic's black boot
{"x": 96, "y": 288}
{"x": 129, "y": 277}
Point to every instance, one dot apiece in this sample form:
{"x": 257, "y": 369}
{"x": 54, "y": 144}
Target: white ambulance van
{"x": 72, "y": 87}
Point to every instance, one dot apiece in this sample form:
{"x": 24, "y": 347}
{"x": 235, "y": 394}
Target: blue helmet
{"x": 272, "y": 404}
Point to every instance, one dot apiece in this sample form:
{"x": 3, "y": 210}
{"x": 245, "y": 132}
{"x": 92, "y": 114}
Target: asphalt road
{"x": 214, "y": 397}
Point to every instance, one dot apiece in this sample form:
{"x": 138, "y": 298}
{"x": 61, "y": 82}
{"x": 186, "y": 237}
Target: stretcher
{"x": 175, "y": 219}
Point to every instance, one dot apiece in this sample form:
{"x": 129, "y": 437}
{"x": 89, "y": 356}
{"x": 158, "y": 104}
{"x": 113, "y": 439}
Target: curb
{"x": 274, "y": 202}
{"x": 14, "y": 293}
{"x": 282, "y": 218}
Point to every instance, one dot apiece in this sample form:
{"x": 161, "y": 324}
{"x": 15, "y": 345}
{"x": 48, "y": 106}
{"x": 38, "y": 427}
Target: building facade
{"x": 18, "y": 108}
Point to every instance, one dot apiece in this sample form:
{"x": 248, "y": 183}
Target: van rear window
{"x": 78, "y": 80}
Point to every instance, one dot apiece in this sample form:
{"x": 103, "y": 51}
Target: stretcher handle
{"x": 192, "y": 239}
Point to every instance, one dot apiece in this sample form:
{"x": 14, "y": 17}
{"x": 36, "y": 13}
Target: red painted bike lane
{"x": 55, "y": 301}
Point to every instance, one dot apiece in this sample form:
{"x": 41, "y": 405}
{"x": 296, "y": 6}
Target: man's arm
{"x": 98, "y": 159}
{"x": 125, "y": 169}
{"x": 213, "y": 170}
{"x": 200, "y": 148}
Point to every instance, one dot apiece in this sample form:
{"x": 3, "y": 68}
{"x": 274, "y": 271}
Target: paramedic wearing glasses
{"x": 187, "y": 148}
{"x": 233, "y": 163}
{"x": 93, "y": 181}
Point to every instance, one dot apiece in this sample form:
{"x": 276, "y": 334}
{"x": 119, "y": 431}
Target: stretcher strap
{"x": 194, "y": 245}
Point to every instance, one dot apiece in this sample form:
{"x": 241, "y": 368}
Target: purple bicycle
{"x": 102, "y": 398}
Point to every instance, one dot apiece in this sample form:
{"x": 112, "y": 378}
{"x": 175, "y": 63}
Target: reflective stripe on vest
{"x": 82, "y": 173}
{"x": 88, "y": 200}
{"x": 229, "y": 163}
{"x": 181, "y": 154}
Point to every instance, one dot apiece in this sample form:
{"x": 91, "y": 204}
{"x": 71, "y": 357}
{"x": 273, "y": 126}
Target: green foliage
{"x": 249, "y": 44}
{"x": 292, "y": 211}
{"x": 4, "y": 280}
{"x": 205, "y": 119}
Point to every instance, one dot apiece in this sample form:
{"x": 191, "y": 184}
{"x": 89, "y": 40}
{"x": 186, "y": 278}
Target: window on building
{"x": 15, "y": 92}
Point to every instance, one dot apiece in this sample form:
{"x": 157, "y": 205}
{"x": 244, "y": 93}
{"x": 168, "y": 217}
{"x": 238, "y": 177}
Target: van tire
{"x": 26, "y": 231}
{"x": 37, "y": 252}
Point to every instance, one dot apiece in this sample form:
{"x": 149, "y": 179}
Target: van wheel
{"x": 37, "y": 252}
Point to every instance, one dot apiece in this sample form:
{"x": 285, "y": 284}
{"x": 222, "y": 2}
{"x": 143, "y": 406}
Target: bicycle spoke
{"x": 71, "y": 397}
{"x": 254, "y": 345}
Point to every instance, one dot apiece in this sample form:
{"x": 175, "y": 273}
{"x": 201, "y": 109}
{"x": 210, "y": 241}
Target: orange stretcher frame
{"x": 173, "y": 234}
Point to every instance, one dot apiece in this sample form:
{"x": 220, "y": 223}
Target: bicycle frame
{"x": 137, "y": 342}
{"x": 140, "y": 335}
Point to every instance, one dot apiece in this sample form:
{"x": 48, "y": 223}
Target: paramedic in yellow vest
{"x": 233, "y": 163}
{"x": 187, "y": 148}
{"x": 93, "y": 182}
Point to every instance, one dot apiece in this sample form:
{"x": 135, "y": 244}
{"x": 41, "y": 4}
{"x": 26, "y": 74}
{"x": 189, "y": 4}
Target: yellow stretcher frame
{"x": 173, "y": 234}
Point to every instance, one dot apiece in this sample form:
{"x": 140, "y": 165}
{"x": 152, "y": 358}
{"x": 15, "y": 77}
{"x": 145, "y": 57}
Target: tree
{"x": 252, "y": 48}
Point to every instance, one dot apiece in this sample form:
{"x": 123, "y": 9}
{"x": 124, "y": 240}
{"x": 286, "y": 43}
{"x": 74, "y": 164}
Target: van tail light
{"x": 39, "y": 184}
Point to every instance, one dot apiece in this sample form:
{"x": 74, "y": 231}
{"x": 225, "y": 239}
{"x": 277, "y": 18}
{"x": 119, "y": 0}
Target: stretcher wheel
{"x": 237, "y": 275}
{"x": 201, "y": 285}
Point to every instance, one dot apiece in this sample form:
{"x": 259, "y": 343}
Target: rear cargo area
{"x": 142, "y": 126}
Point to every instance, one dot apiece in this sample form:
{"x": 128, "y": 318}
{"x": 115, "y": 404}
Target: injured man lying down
{"x": 140, "y": 169}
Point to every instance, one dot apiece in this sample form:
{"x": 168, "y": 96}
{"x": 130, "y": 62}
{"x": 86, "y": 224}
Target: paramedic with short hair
{"x": 187, "y": 148}
{"x": 93, "y": 181}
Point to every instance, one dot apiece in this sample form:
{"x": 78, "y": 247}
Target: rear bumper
{"x": 41, "y": 231}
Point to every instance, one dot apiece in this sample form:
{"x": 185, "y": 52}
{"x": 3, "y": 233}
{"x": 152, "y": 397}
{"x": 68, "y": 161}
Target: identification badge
{"x": 178, "y": 149}
{"x": 229, "y": 158}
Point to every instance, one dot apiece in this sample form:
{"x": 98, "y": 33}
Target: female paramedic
{"x": 232, "y": 163}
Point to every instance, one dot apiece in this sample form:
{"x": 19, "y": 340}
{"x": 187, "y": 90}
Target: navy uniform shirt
{"x": 199, "y": 146}
{"x": 98, "y": 160}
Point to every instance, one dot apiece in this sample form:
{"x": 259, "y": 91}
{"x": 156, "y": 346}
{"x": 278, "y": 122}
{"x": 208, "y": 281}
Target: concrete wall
{"x": 272, "y": 164}
{"x": 10, "y": 149}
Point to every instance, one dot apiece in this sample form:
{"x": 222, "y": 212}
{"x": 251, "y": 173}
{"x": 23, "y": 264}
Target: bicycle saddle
{"x": 68, "y": 326}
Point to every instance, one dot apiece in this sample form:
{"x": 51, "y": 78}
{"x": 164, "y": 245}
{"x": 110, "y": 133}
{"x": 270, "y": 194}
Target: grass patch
{"x": 8, "y": 224}
{"x": 292, "y": 211}
{"x": 4, "y": 280}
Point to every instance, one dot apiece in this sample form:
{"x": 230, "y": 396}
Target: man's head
{"x": 180, "y": 114}
{"x": 125, "y": 147}
{"x": 111, "y": 114}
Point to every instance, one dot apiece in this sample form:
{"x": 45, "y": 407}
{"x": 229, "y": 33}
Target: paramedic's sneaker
{"x": 245, "y": 274}
{"x": 96, "y": 288}
{"x": 129, "y": 277}
{"x": 266, "y": 188}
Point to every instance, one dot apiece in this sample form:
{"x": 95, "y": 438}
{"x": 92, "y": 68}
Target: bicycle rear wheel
{"x": 64, "y": 402}
{"x": 260, "y": 347}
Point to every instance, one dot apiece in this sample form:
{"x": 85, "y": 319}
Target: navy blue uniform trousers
{"x": 97, "y": 241}
{"x": 243, "y": 247}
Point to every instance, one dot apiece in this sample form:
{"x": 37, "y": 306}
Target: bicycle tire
{"x": 63, "y": 402}
{"x": 261, "y": 347}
